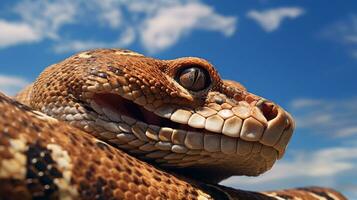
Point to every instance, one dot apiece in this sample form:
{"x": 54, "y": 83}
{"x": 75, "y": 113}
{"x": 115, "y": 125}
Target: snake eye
{"x": 194, "y": 78}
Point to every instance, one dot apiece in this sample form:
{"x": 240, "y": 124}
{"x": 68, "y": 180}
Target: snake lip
{"x": 122, "y": 106}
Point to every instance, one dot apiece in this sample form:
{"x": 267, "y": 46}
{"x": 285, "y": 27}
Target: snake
{"x": 115, "y": 124}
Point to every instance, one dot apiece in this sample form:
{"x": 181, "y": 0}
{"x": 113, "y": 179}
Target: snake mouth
{"x": 225, "y": 131}
{"x": 241, "y": 139}
{"x": 113, "y": 106}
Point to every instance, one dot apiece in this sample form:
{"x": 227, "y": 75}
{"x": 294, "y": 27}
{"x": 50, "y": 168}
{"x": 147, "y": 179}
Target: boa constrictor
{"x": 114, "y": 124}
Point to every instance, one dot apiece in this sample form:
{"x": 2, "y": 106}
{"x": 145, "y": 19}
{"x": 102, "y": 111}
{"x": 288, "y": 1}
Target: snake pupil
{"x": 194, "y": 78}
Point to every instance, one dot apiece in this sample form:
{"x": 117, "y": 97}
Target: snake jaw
{"x": 209, "y": 135}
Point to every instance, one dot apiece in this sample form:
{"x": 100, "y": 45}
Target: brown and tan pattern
{"x": 42, "y": 158}
{"x": 178, "y": 115}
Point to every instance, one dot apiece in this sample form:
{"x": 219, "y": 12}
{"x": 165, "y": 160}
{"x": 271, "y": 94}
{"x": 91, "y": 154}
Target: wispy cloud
{"x": 323, "y": 167}
{"x": 124, "y": 39}
{"x": 333, "y": 117}
{"x": 345, "y": 32}
{"x": 38, "y": 20}
{"x": 156, "y": 24}
{"x": 354, "y": 54}
{"x": 170, "y": 24}
{"x": 321, "y": 163}
{"x": 270, "y": 20}
{"x": 47, "y": 17}
{"x": 10, "y": 85}
{"x": 16, "y": 33}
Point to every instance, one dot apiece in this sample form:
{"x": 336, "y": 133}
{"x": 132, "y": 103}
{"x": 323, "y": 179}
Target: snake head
{"x": 177, "y": 114}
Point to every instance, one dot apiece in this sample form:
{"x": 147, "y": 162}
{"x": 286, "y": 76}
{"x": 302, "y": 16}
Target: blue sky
{"x": 300, "y": 54}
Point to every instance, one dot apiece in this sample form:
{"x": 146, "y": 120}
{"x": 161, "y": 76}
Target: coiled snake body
{"x": 191, "y": 128}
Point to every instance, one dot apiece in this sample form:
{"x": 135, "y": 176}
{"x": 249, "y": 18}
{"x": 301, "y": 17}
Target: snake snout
{"x": 280, "y": 125}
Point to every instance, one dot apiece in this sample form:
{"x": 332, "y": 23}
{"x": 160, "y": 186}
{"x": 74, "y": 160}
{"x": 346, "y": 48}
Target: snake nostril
{"x": 269, "y": 110}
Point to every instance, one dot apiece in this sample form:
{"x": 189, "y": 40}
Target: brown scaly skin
{"x": 123, "y": 98}
{"x": 137, "y": 104}
{"x": 43, "y": 158}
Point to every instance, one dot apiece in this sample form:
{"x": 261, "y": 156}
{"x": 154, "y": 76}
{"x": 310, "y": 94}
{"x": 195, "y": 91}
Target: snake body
{"x": 176, "y": 115}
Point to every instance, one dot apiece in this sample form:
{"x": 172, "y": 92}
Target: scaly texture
{"x": 43, "y": 158}
{"x": 145, "y": 107}
{"x": 177, "y": 114}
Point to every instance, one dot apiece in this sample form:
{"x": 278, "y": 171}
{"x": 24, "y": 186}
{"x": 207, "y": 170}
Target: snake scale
{"x": 114, "y": 124}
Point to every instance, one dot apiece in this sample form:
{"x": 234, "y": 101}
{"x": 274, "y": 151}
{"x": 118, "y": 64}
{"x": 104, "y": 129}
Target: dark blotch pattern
{"x": 41, "y": 171}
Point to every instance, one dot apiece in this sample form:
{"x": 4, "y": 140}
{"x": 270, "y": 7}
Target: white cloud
{"x": 38, "y": 20}
{"x": 47, "y": 17}
{"x": 354, "y": 54}
{"x": 329, "y": 117}
{"x": 109, "y": 12}
{"x": 322, "y": 163}
{"x": 78, "y": 45}
{"x": 156, "y": 24}
{"x": 10, "y": 85}
{"x": 170, "y": 24}
{"x": 271, "y": 19}
{"x": 301, "y": 103}
{"x": 15, "y": 33}
{"x": 126, "y": 38}
{"x": 348, "y": 131}
{"x": 323, "y": 167}
{"x": 345, "y": 32}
